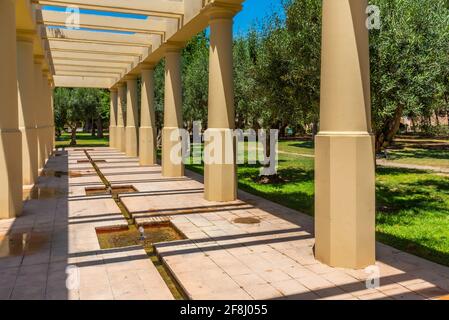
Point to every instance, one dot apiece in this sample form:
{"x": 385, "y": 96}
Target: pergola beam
{"x": 91, "y": 21}
{"x": 94, "y": 47}
{"x": 160, "y": 8}
{"x": 136, "y": 40}
{"x": 88, "y": 74}
{"x": 94, "y": 57}
{"x": 88, "y": 69}
{"x": 90, "y": 64}
{"x": 81, "y": 82}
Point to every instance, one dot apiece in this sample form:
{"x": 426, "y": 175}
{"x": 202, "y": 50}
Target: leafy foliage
{"x": 75, "y": 106}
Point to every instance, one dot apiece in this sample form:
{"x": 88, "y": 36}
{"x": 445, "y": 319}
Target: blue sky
{"x": 253, "y": 12}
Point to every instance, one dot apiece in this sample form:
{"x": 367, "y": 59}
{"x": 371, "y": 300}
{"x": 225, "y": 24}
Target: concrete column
{"x": 113, "y": 118}
{"x": 344, "y": 162}
{"x": 25, "y": 86}
{"x": 45, "y": 114}
{"x": 147, "y": 133}
{"x": 220, "y": 178}
{"x": 120, "y": 131}
{"x": 172, "y": 112}
{"x": 52, "y": 116}
{"x": 37, "y": 106}
{"x": 10, "y": 136}
{"x": 132, "y": 147}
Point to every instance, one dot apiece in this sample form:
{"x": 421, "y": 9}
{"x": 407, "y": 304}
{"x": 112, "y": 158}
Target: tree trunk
{"x": 92, "y": 132}
{"x": 314, "y": 129}
{"x": 437, "y": 117}
{"x": 73, "y": 136}
{"x": 100, "y": 128}
{"x": 282, "y": 129}
{"x": 389, "y": 130}
{"x": 268, "y": 174}
{"x": 86, "y": 127}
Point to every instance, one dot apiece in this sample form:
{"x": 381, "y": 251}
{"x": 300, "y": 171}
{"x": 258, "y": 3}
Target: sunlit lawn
{"x": 420, "y": 151}
{"x": 412, "y": 205}
{"x": 295, "y": 146}
{"x": 424, "y": 157}
{"x": 83, "y": 140}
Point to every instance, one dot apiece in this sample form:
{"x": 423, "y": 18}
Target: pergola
{"x": 39, "y": 53}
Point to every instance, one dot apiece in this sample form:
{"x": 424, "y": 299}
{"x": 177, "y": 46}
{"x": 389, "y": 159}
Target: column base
{"x": 220, "y": 182}
{"x": 131, "y": 142}
{"x": 112, "y": 141}
{"x": 220, "y": 170}
{"x": 120, "y": 139}
{"x": 29, "y": 155}
{"x": 50, "y": 136}
{"x": 10, "y": 174}
{"x": 170, "y": 167}
{"x": 42, "y": 149}
{"x": 345, "y": 200}
{"x": 147, "y": 146}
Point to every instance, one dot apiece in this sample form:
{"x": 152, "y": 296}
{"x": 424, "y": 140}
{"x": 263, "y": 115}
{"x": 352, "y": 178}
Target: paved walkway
{"x": 386, "y": 163}
{"x": 220, "y": 259}
{"x": 60, "y": 232}
{"x": 381, "y": 162}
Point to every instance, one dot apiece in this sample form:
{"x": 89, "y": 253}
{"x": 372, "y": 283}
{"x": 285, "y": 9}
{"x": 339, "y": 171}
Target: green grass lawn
{"x": 301, "y": 147}
{"x": 83, "y": 140}
{"x": 412, "y": 206}
{"x": 424, "y": 157}
{"x": 419, "y": 151}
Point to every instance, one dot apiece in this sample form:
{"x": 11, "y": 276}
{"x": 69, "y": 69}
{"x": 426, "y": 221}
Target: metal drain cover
{"x": 247, "y": 220}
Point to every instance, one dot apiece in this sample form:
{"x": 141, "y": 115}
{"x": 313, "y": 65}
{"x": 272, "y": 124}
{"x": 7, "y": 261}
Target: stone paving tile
{"x": 262, "y": 291}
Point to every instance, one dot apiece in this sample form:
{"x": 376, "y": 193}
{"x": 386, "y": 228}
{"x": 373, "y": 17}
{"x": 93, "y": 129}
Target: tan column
{"x": 113, "y": 118}
{"x": 52, "y": 116}
{"x": 344, "y": 164}
{"x": 172, "y": 112}
{"x": 38, "y": 102}
{"x": 25, "y": 86}
{"x": 120, "y": 131}
{"x": 220, "y": 178}
{"x": 132, "y": 147}
{"x": 147, "y": 133}
{"x": 10, "y": 136}
{"x": 45, "y": 114}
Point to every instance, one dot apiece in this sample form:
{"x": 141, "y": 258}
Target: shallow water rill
{"x": 131, "y": 236}
{"x": 145, "y": 235}
{"x": 113, "y": 190}
{"x": 154, "y": 233}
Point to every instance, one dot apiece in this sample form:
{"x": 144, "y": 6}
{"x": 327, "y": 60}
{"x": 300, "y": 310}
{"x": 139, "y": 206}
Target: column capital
{"x": 129, "y": 77}
{"x": 38, "y": 58}
{"x": 218, "y": 10}
{"x": 173, "y": 47}
{"x": 147, "y": 66}
{"x": 45, "y": 72}
{"x": 25, "y": 35}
